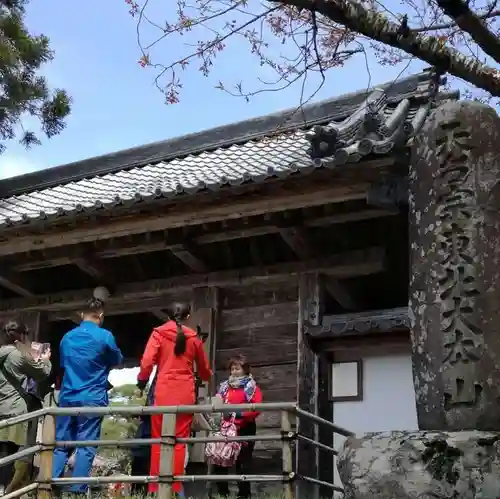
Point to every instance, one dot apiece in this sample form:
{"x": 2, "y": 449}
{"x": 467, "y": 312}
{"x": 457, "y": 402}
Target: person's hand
{"x": 46, "y": 355}
{"x": 139, "y": 389}
{"x": 229, "y": 415}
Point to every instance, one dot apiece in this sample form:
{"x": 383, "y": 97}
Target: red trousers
{"x": 182, "y": 430}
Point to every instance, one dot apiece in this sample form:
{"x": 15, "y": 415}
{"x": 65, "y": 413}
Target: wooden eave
{"x": 318, "y": 188}
{"x": 351, "y": 331}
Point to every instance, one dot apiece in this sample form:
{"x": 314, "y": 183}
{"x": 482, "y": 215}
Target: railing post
{"x": 167, "y": 448}
{"x": 46, "y": 456}
{"x": 286, "y": 429}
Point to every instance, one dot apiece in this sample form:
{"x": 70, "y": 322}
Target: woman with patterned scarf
{"x": 240, "y": 388}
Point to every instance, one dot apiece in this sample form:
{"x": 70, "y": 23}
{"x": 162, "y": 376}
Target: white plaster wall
{"x": 388, "y": 399}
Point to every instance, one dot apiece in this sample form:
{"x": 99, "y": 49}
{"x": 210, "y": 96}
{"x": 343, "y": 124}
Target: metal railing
{"x": 166, "y": 477}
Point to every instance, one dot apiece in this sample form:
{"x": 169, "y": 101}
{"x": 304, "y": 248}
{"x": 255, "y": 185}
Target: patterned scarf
{"x": 246, "y": 382}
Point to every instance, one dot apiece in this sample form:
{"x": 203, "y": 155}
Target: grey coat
{"x": 15, "y": 369}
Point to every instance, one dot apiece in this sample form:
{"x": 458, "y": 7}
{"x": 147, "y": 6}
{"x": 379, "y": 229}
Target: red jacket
{"x": 175, "y": 383}
{"x": 237, "y": 396}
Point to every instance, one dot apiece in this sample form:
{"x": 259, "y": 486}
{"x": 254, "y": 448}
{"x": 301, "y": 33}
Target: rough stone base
{"x": 423, "y": 465}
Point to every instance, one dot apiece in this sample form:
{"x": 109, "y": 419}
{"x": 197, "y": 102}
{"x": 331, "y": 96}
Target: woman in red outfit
{"x": 240, "y": 388}
{"x": 174, "y": 348}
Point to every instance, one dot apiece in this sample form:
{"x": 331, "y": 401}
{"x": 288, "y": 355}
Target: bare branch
{"x": 317, "y": 36}
{"x": 439, "y": 27}
{"x": 427, "y": 48}
{"x": 460, "y": 12}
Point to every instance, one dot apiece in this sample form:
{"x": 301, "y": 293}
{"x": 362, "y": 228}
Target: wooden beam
{"x": 296, "y": 238}
{"x": 73, "y": 317}
{"x": 370, "y": 322}
{"x": 340, "y": 293}
{"x": 189, "y": 255}
{"x": 343, "y": 265}
{"x": 352, "y": 216}
{"x": 92, "y": 267}
{"x": 159, "y": 314}
{"x": 182, "y": 214}
{"x": 157, "y": 242}
{"x": 15, "y": 282}
{"x": 145, "y": 305}
{"x": 380, "y": 344}
{"x": 138, "y": 267}
{"x": 255, "y": 252}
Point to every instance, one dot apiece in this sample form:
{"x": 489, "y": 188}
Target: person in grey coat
{"x": 18, "y": 369}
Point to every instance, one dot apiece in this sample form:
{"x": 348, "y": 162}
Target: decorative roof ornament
{"x": 377, "y": 126}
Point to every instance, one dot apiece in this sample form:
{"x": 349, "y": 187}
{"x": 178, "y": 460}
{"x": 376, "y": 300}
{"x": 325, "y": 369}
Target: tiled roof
{"x": 357, "y": 125}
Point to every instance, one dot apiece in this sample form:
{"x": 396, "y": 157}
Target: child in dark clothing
{"x": 240, "y": 388}
{"x": 141, "y": 456}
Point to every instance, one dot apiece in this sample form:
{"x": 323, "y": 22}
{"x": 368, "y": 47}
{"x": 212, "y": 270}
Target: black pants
{"x": 141, "y": 457}
{"x": 7, "y": 471}
{"x": 243, "y": 465}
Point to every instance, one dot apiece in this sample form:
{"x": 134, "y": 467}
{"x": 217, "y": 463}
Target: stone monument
{"x": 455, "y": 315}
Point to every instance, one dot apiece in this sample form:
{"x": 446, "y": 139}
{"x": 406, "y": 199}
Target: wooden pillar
{"x": 325, "y": 460}
{"x": 308, "y": 384}
{"x": 46, "y": 457}
{"x": 205, "y": 310}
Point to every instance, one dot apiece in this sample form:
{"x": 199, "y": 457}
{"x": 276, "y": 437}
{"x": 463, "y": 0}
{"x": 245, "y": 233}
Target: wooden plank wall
{"x": 261, "y": 323}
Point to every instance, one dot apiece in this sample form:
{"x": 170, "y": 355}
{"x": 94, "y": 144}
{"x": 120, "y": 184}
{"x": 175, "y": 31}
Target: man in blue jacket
{"x": 88, "y": 353}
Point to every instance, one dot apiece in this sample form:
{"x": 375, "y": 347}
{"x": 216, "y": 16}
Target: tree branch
{"x": 432, "y": 50}
{"x": 438, "y": 27}
{"x": 469, "y": 22}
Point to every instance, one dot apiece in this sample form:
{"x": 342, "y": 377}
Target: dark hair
{"x": 94, "y": 307}
{"x": 241, "y": 360}
{"x": 13, "y": 331}
{"x": 179, "y": 312}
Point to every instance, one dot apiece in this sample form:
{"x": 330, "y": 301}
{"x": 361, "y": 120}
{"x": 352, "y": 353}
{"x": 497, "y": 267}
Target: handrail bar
{"x": 321, "y": 483}
{"x": 324, "y": 422}
{"x": 101, "y": 480}
{"x": 21, "y": 492}
{"x": 233, "y": 478}
{"x": 29, "y": 451}
{"x": 169, "y": 409}
{"x": 310, "y": 441}
{"x": 136, "y": 442}
{"x": 176, "y": 478}
{"x": 23, "y": 418}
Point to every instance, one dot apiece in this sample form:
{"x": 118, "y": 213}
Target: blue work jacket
{"x": 88, "y": 353}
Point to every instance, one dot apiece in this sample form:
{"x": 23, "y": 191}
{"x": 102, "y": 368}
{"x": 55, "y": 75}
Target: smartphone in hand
{"x": 36, "y": 349}
{"x": 39, "y": 350}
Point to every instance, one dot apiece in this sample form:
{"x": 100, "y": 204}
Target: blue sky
{"x": 116, "y": 105}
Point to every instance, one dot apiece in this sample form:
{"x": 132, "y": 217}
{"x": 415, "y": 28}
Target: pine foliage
{"x": 23, "y": 91}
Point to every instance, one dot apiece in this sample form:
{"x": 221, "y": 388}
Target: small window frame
{"x": 358, "y": 397}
